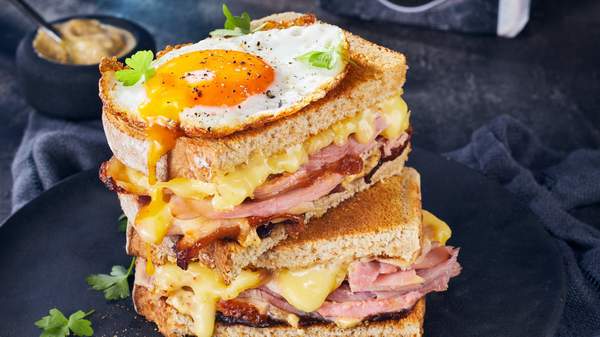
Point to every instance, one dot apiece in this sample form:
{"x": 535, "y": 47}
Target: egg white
{"x": 296, "y": 83}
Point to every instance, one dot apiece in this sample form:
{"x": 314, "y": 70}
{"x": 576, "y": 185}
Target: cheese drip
{"x": 154, "y": 220}
{"x": 435, "y": 229}
{"x": 196, "y": 291}
{"x": 131, "y": 180}
{"x": 306, "y": 289}
{"x": 161, "y": 140}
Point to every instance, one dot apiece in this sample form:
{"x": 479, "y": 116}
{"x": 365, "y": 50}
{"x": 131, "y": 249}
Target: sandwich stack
{"x": 262, "y": 174}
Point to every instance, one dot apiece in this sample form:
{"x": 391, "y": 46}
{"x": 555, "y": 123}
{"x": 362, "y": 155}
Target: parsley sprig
{"x": 327, "y": 58}
{"x": 115, "y": 286}
{"x": 234, "y": 25}
{"x": 57, "y": 325}
{"x": 140, "y": 64}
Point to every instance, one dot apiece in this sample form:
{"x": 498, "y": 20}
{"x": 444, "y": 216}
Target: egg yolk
{"x": 213, "y": 78}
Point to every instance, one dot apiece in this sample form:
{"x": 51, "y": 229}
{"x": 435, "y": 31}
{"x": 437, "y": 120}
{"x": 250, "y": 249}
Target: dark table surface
{"x": 547, "y": 77}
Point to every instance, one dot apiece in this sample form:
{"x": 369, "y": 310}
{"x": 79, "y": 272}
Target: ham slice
{"x": 316, "y": 163}
{"x": 344, "y": 294}
{"x": 345, "y": 303}
{"x": 266, "y": 295}
{"x": 395, "y": 281}
{"x": 354, "y": 305}
{"x": 362, "y": 309}
{"x": 434, "y": 257}
{"x": 375, "y": 275}
{"x": 389, "y": 145}
{"x": 262, "y": 208}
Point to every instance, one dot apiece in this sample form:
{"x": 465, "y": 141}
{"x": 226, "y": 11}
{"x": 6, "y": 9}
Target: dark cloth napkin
{"x": 551, "y": 183}
{"x": 51, "y": 150}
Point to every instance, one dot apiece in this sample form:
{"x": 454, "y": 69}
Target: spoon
{"x": 33, "y": 14}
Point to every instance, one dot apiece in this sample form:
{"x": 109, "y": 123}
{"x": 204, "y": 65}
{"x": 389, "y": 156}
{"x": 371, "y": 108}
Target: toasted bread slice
{"x": 382, "y": 221}
{"x": 173, "y": 324}
{"x": 229, "y": 258}
{"x": 376, "y": 73}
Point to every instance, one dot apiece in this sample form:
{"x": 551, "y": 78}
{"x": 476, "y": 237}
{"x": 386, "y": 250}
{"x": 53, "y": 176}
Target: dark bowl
{"x": 65, "y": 90}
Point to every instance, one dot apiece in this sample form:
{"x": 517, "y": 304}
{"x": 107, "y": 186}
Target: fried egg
{"x": 221, "y": 85}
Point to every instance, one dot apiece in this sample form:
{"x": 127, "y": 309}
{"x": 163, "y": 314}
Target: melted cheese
{"x": 396, "y": 114}
{"x": 435, "y": 229}
{"x": 129, "y": 179}
{"x": 152, "y": 221}
{"x": 149, "y": 264}
{"x": 196, "y": 291}
{"x": 161, "y": 140}
{"x": 346, "y": 323}
{"x": 306, "y": 289}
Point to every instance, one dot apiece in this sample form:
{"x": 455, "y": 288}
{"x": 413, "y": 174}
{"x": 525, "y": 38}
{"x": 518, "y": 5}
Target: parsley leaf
{"x": 327, "y": 59}
{"x": 115, "y": 286}
{"x": 80, "y": 326}
{"x": 234, "y": 25}
{"x": 319, "y": 59}
{"x": 231, "y": 22}
{"x": 122, "y": 223}
{"x": 57, "y": 325}
{"x": 140, "y": 64}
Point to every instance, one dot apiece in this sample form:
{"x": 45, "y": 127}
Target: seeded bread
{"x": 173, "y": 324}
{"x": 375, "y": 74}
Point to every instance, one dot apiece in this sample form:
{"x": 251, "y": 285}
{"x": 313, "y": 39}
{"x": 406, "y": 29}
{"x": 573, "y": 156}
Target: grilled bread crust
{"x": 173, "y": 324}
{"x": 229, "y": 258}
{"x": 374, "y": 74}
{"x": 384, "y": 220}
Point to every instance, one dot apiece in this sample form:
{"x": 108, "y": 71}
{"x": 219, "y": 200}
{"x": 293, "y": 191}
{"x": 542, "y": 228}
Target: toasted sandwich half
{"x": 363, "y": 269}
{"x": 225, "y": 147}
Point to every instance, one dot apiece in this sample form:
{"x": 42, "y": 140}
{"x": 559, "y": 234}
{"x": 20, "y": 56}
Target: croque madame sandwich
{"x": 226, "y": 147}
{"x": 363, "y": 269}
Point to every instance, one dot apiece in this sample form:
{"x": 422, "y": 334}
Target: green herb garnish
{"x": 57, "y": 325}
{"x": 122, "y": 223}
{"x": 234, "y": 25}
{"x": 115, "y": 286}
{"x": 139, "y": 64}
{"x": 327, "y": 59}
{"x": 319, "y": 59}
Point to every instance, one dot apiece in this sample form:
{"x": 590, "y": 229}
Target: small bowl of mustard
{"x": 61, "y": 79}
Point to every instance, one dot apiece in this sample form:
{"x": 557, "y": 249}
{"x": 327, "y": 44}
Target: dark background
{"x": 548, "y": 77}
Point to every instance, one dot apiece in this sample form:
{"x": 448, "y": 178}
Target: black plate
{"x": 512, "y": 282}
